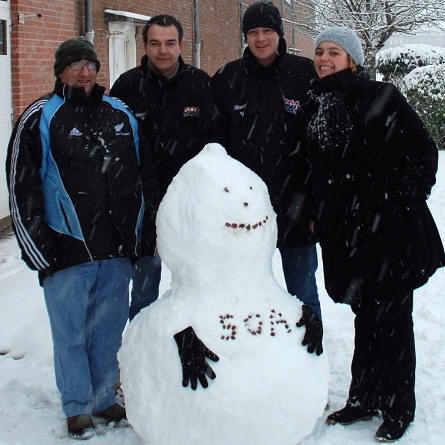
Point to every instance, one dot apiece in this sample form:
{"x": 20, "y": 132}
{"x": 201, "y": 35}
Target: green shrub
{"x": 424, "y": 88}
{"x": 395, "y": 63}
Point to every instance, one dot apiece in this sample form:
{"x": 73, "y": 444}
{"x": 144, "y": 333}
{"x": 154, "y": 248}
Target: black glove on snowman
{"x": 193, "y": 352}
{"x": 314, "y": 330}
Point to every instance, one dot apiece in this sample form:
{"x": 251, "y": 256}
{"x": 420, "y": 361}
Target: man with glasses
{"x": 76, "y": 204}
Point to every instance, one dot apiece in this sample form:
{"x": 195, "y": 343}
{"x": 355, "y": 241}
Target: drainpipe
{"x": 196, "y": 38}
{"x": 241, "y": 36}
{"x": 89, "y": 33}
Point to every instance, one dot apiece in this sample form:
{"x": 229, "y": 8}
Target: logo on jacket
{"x": 118, "y": 129}
{"x": 191, "y": 112}
{"x": 141, "y": 115}
{"x": 291, "y": 106}
{"x": 75, "y": 132}
{"x": 240, "y": 108}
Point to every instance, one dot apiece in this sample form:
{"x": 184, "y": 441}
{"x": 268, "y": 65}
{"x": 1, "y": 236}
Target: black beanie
{"x": 72, "y": 50}
{"x": 262, "y": 14}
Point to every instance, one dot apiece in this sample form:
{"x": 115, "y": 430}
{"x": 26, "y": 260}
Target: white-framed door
{"x": 122, "y": 48}
{"x": 6, "y": 101}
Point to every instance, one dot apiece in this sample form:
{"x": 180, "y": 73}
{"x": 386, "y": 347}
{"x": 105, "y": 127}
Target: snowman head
{"x": 216, "y": 215}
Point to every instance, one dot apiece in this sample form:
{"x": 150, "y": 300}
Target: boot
{"x": 391, "y": 430}
{"x": 114, "y": 413}
{"x": 118, "y": 393}
{"x": 80, "y": 427}
{"x": 350, "y": 414}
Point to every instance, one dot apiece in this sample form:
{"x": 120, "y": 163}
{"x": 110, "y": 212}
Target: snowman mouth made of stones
{"x": 244, "y": 225}
{"x": 247, "y": 226}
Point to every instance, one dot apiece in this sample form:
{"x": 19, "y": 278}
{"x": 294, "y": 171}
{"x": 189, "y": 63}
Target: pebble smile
{"x": 247, "y": 226}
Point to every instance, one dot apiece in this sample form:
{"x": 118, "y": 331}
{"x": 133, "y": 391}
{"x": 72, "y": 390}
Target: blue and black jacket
{"x": 73, "y": 178}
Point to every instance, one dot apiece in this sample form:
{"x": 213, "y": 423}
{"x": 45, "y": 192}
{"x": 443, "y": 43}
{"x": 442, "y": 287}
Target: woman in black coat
{"x": 373, "y": 166}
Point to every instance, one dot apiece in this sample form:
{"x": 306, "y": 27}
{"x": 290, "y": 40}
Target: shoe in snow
{"x": 350, "y": 414}
{"x": 391, "y": 430}
{"x": 114, "y": 414}
{"x": 80, "y": 427}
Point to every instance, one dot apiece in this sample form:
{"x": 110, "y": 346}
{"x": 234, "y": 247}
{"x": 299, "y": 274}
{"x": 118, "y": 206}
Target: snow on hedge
{"x": 428, "y": 80}
{"x": 419, "y": 54}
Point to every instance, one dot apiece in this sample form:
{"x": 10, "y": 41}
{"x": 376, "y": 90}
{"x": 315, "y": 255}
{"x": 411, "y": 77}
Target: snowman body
{"x": 217, "y": 233}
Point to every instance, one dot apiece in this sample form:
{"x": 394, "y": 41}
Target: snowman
{"x": 218, "y": 359}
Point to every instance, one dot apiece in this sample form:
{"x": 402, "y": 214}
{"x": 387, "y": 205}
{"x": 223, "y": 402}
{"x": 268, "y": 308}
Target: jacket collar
{"x": 344, "y": 79}
{"x": 77, "y": 95}
{"x": 152, "y": 75}
{"x": 252, "y": 66}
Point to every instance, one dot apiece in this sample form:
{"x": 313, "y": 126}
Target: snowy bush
{"x": 424, "y": 88}
{"x": 395, "y": 63}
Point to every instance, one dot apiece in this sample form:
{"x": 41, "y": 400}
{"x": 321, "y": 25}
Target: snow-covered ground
{"x": 30, "y": 411}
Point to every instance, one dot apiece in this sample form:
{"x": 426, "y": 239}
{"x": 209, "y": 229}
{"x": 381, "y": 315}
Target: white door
{"x": 5, "y": 102}
{"x": 122, "y": 48}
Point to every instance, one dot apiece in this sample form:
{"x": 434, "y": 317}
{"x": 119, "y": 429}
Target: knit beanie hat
{"x": 72, "y": 50}
{"x": 262, "y": 14}
{"x": 346, "y": 38}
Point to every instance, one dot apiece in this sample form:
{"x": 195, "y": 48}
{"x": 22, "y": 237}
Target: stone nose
{"x": 245, "y": 204}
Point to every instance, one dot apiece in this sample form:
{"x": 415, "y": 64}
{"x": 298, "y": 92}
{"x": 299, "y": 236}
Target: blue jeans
{"x": 146, "y": 275}
{"x": 299, "y": 267}
{"x": 87, "y": 307}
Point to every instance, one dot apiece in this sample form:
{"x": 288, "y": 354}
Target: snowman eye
{"x": 226, "y": 189}
{"x": 251, "y": 188}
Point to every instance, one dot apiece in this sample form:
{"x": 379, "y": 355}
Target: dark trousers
{"x": 145, "y": 276}
{"x": 384, "y": 361}
{"x": 299, "y": 267}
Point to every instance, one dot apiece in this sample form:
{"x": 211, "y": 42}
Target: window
{"x": 3, "y": 37}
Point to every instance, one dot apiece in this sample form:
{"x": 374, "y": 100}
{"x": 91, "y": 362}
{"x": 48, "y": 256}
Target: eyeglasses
{"x": 78, "y": 66}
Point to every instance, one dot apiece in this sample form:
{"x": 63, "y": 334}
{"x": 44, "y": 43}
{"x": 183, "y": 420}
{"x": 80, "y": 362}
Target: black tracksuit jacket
{"x": 176, "y": 114}
{"x": 256, "y": 109}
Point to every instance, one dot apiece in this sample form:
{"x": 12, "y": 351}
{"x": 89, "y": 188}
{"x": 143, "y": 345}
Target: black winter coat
{"x": 373, "y": 166}
{"x": 257, "y": 106}
{"x": 176, "y": 114}
{"x": 73, "y": 178}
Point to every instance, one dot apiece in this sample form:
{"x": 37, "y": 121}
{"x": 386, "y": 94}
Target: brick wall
{"x": 35, "y": 41}
{"x": 33, "y": 44}
{"x": 220, "y": 33}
